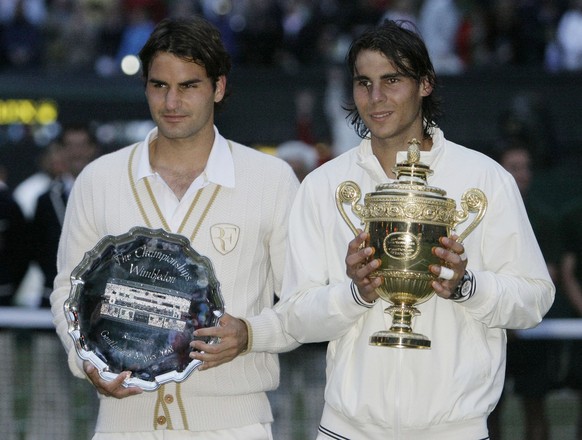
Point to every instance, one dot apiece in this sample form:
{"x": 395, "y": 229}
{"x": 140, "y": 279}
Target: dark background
{"x": 261, "y": 111}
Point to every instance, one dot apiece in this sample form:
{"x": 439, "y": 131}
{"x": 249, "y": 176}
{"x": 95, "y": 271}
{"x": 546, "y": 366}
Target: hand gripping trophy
{"x": 405, "y": 220}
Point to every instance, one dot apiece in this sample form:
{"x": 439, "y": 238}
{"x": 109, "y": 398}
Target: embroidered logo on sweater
{"x": 224, "y": 237}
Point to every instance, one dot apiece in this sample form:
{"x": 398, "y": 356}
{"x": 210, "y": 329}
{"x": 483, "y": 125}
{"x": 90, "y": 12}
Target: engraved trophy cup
{"x": 405, "y": 220}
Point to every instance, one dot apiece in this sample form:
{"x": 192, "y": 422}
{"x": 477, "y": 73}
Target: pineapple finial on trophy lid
{"x": 412, "y": 171}
{"x": 413, "y": 154}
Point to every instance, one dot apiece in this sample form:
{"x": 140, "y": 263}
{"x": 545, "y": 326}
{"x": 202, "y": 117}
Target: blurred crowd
{"x": 94, "y": 35}
{"x": 29, "y": 236}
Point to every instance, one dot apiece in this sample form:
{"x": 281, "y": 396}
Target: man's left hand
{"x": 232, "y": 340}
{"x": 450, "y": 273}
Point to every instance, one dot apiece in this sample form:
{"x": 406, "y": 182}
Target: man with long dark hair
{"x": 495, "y": 279}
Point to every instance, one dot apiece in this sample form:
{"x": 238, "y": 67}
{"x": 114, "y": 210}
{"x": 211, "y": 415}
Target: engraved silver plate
{"x": 135, "y": 302}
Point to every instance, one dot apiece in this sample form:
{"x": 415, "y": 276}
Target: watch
{"x": 465, "y": 289}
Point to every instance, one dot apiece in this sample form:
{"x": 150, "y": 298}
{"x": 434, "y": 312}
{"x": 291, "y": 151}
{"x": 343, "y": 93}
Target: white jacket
{"x": 442, "y": 393}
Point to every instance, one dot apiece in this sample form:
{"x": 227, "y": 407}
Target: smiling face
{"x": 388, "y": 102}
{"x": 181, "y": 98}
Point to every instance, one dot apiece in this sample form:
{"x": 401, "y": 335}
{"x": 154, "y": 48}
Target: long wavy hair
{"x": 401, "y": 43}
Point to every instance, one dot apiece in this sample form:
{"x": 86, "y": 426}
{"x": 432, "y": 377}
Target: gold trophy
{"x": 405, "y": 220}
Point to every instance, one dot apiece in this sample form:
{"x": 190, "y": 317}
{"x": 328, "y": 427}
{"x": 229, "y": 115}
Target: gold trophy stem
{"x": 400, "y": 335}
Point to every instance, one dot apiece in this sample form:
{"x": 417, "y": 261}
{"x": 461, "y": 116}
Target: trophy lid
{"x": 411, "y": 175}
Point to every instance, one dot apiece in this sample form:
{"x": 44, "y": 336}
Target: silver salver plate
{"x": 136, "y": 300}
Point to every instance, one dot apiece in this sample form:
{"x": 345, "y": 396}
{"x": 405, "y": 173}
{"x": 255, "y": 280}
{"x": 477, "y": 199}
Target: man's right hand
{"x": 360, "y": 264}
{"x": 112, "y": 388}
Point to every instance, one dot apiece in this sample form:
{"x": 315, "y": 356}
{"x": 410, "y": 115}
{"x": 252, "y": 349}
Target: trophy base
{"x": 387, "y": 338}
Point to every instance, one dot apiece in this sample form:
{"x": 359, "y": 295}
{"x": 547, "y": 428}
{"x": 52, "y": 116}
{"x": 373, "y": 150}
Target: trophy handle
{"x": 472, "y": 200}
{"x": 349, "y": 192}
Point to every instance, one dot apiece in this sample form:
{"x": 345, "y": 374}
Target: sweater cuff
{"x": 249, "y": 346}
{"x": 358, "y": 298}
{"x": 479, "y": 301}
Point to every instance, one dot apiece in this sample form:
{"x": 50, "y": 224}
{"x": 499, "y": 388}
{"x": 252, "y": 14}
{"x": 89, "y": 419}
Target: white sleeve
{"x": 318, "y": 302}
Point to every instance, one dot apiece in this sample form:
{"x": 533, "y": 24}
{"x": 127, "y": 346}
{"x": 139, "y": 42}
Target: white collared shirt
{"x": 219, "y": 170}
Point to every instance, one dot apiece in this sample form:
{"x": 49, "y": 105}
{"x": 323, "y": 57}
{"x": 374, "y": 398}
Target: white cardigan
{"x": 102, "y": 203}
{"x": 442, "y": 393}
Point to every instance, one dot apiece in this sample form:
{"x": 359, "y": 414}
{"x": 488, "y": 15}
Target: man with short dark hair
{"x": 232, "y": 203}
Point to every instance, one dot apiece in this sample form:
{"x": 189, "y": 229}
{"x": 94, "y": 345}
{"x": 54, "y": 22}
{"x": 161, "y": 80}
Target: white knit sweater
{"x": 102, "y": 203}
